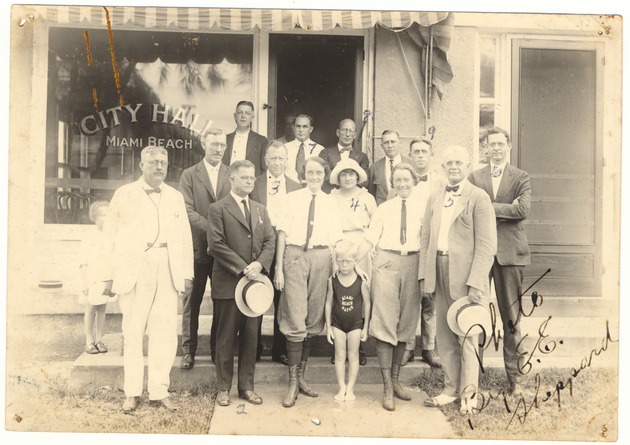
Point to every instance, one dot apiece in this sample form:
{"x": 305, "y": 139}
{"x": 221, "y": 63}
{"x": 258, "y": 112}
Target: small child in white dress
{"x": 92, "y": 265}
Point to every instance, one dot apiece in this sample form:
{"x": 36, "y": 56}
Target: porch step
{"x": 567, "y": 343}
{"x": 557, "y": 336}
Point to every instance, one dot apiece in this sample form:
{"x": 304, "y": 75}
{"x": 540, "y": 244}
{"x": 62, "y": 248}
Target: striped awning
{"x": 233, "y": 19}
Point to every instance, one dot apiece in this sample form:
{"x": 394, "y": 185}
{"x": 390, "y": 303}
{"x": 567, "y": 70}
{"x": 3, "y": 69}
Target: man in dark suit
{"x": 457, "y": 247}
{"x": 347, "y": 133}
{"x": 202, "y": 184}
{"x": 379, "y": 179}
{"x": 242, "y": 242}
{"x": 244, "y": 143}
{"x": 270, "y": 189}
{"x": 510, "y": 192}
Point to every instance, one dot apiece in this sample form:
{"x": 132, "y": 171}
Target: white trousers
{"x": 151, "y": 307}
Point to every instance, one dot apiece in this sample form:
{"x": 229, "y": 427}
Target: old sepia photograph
{"x": 321, "y": 223}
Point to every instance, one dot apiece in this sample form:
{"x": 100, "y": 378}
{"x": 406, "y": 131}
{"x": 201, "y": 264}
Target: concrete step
{"x": 562, "y": 337}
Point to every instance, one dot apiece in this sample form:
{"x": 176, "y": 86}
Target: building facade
{"x": 96, "y": 85}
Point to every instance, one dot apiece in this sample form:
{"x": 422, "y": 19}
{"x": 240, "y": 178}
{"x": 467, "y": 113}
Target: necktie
{"x": 422, "y": 178}
{"x": 275, "y": 188}
{"x": 496, "y": 171}
{"x": 247, "y": 214}
{"x": 452, "y": 188}
{"x": 391, "y": 168}
{"x": 155, "y": 190}
{"x": 345, "y": 149}
{"x": 403, "y": 222}
{"x": 299, "y": 161}
{"x": 310, "y": 223}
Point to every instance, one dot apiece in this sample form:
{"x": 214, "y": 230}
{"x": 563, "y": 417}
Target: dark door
{"x": 315, "y": 75}
{"x": 557, "y": 139}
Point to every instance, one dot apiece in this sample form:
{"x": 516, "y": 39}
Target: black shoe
{"x": 282, "y": 359}
{"x": 409, "y": 357}
{"x": 332, "y": 358}
{"x": 250, "y": 396}
{"x": 188, "y": 361}
{"x": 362, "y": 357}
{"x": 432, "y": 359}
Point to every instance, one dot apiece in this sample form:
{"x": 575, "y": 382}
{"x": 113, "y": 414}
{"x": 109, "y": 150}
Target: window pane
{"x": 169, "y": 89}
{"x": 486, "y": 122}
{"x": 487, "y": 63}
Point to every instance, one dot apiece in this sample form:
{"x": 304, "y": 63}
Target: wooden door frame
{"x": 266, "y": 88}
{"x": 563, "y": 43}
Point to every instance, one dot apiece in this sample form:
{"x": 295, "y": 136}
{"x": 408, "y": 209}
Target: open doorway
{"x": 316, "y": 75}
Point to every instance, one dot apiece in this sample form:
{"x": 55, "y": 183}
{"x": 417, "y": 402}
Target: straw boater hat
{"x": 347, "y": 164}
{"x": 466, "y": 318}
{"x": 254, "y": 297}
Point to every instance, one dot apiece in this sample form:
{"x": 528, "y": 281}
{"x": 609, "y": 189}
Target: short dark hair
{"x": 245, "y": 102}
{"x": 241, "y": 163}
{"x": 409, "y": 168}
{"x": 386, "y": 132}
{"x": 496, "y": 130}
{"x": 310, "y": 119}
{"x": 319, "y": 161}
{"x": 421, "y": 141}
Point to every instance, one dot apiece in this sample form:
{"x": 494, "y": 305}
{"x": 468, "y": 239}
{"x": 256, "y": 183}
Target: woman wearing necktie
{"x": 308, "y": 229}
{"x": 394, "y": 232}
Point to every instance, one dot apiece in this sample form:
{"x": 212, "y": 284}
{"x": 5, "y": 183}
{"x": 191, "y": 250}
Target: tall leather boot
{"x": 388, "y": 389}
{"x": 398, "y": 390}
{"x": 302, "y": 385}
{"x": 292, "y": 394}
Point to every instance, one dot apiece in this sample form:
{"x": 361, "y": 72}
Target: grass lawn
{"x": 589, "y": 414}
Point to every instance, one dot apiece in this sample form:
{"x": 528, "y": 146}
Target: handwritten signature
{"x": 521, "y": 406}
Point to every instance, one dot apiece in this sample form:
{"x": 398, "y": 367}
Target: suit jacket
{"x": 512, "y": 245}
{"x": 128, "y": 242}
{"x": 198, "y": 193}
{"x": 333, "y": 156}
{"x": 259, "y": 194}
{"x": 233, "y": 245}
{"x": 255, "y": 151}
{"x": 472, "y": 241}
{"x": 377, "y": 181}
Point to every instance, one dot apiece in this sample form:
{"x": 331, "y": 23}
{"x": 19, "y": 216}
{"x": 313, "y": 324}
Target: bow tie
{"x": 343, "y": 150}
{"x": 155, "y": 190}
{"x": 453, "y": 188}
{"x": 422, "y": 178}
{"x": 496, "y": 171}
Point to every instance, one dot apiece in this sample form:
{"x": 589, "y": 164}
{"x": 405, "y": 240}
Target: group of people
{"x": 352, "y": 250}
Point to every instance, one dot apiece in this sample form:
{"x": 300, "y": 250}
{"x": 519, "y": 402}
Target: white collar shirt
{"x": 239, "y": 201}
{"x": 327, "y": 228}
{"x": 447, "y": 217}
{"x": 385, "y": 227}
{"x": 239, "y": 147}
{"x": 496, "y": 173}
{"x": 388, "y": 168}
{"x": 276, "y": 191}
{"x": 344, "y": 152}
{"x": 311, "y": 148}
{"x": 213, "y": 174}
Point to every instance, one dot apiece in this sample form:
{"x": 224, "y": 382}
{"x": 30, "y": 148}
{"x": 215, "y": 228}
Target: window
{"x": 167, "y": 89}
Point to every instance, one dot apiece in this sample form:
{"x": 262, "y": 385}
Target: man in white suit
{"x": 151, "y": 265}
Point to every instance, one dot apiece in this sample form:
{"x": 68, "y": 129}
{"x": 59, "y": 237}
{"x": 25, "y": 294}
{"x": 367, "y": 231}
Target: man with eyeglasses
{"x": 202, "y": 184}
{"x": 510, "y": 192}
{"x": 242, "y": 242}
{"x": 151, "y": 265}
{"x": 244, "y": 143}
{"x": 346, "y": 134}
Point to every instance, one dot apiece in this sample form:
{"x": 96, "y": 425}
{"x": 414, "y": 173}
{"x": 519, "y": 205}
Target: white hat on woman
{"x": 347, "y": 164}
